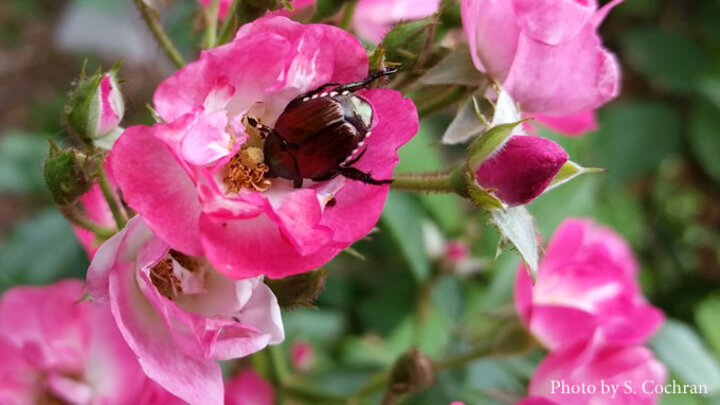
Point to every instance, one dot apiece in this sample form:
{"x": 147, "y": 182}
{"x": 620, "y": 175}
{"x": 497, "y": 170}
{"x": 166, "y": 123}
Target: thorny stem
{"x": 211, "y": 17}
{"x": 75, "y": 217}
{"x": 150, "y": 17}
{"x": 347, "y": 15}
{"x": 436, "y": 182}
{"x": 109, "y": 195}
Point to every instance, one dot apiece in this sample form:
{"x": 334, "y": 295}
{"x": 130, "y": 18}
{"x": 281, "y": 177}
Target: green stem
{"x": 381, "y": 379}
{"x": 438, "y": 104}
{"x": 230, "y": 24}
{"x": 150, "y": 17}
{"x": 463, "y": 359}
{"x": 74, "y": 216}
{"x": 312, "y": 395}
{"x": 347, "y": 15}
{"x": 211, "y": 17}
{"x": 278, "y": 365}
{"x": 436, "y": 182}
{"x": 109, "y": 195}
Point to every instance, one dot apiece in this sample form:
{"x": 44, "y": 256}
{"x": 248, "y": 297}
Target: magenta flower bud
{"x": 96, "y": 107}
{"x": 521, "y": 168}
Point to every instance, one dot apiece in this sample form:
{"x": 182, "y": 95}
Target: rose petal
{"x": 156, "y": 186}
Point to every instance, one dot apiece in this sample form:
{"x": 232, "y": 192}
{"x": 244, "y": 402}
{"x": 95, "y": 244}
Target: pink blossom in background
{"x": 96, "y": 209}
{"x": 57, "y": 348}
{"x": 593, "y": 365}
{"x": 372, "y": 19}
{"x": 586, "y": 286}
{"x": 521, "y": 168}
{"x": 178, "y": 314}
{"x": 249, "y": 388}
{"x": 301, "y": 355}
{"x": 547, "y": 55}
{"x": 179, "y": 176}
{"x": 223, "y": 7}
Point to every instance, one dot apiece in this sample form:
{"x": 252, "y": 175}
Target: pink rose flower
{"x": 178, "y": 314}
{"x": 198, "y": 178}
{"x": 521, "y": 168}
{"x": 57, "y": 348}
{"x": 586, "y": 374}
{"x": 249, "y": 388}
{"x": 372, "y": 19}
{"x": 547, "y": 54}
{"x": 586, "y": 286}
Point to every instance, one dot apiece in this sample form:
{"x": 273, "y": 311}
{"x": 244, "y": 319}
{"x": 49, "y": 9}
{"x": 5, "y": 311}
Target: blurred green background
{"x": 660, "y": 141}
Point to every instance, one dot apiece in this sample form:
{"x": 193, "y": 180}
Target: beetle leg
{"x": 297, "y": 183}
{"x": 263, "y": 130}
{"x": 313, "y": 92}
{"x": 352, "y": 87}
{"x": 355, "y": 174}
{"x": 355, "y": 159}
{"x": 326, "y": 177}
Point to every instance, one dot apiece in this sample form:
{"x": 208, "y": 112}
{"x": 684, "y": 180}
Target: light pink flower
{"x": 301, "y": 355}
{"x": 179, "y": 176}
{"x": 249, "y": 388}
{"x": 571, "y": 125}
{"x": 561, "y": 376}
{"x": 586, "y": 285}
{"x": 546, "y": 53}
{"x": 223, "y": 7}
{"x": 56, "y": 347}
{"x": 521, "y": 168}
{"x": 372, "y": 19}
{"x": 178, "y": 314}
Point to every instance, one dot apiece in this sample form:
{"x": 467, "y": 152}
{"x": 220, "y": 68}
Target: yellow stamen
{"x": 247, "y": 170}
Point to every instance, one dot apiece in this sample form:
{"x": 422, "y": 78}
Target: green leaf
{"x": 704, "y": 139}
{"x": 569, "y": 171}
{"x": 707, "y": 315}
{"x": 635, "y": 136}
{"x": 517, "y": 226}
{"x": 39, "y": 251}
{"x": 669, "y": 59}
{"x": 21, "y": 157}
{"x": 402, "y": 217}
{"x": 686, "y": 356}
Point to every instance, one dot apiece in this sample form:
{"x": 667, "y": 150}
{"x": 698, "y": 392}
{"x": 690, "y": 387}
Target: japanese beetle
{"x": 320, "y": 134}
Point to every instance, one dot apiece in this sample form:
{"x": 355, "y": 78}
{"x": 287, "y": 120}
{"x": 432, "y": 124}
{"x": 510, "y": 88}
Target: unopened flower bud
{"x": 407, "y": 42}
{"x": 68, "y": 174}
{"x": 515, "y": 168}
{"x": 95, "y": 107}
{"x": 412, "y": 372}
{"x": 299, "y": 290}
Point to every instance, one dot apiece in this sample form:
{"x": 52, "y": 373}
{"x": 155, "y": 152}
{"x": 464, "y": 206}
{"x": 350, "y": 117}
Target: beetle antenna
{"x": 351, "y": 87}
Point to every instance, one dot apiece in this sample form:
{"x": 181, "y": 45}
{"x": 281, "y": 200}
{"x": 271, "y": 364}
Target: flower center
{"x": 164, "y": 275}
{"x": 246, "y": 170}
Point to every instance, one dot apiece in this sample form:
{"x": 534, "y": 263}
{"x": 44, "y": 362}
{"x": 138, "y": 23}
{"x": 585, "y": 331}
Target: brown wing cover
{"x": 305, "y": 120}
{"x": 324, "y": 152}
